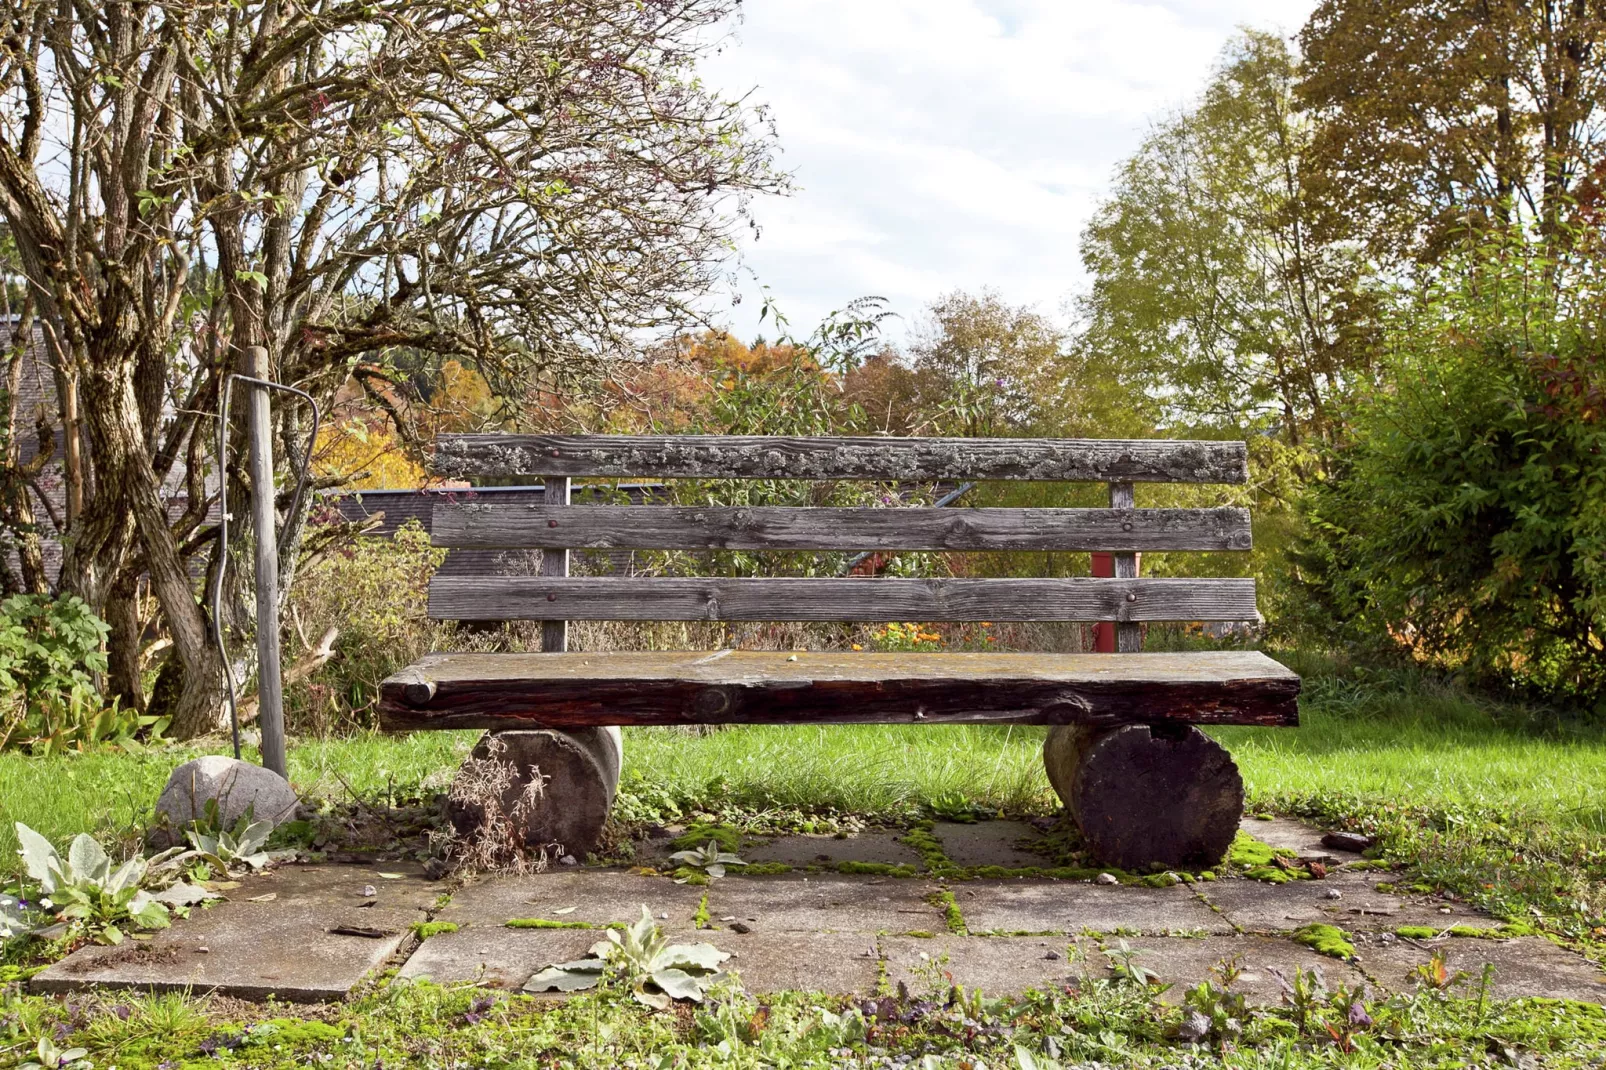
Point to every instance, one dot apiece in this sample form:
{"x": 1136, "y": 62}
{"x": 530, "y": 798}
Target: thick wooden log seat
{"x": 574, "y": 690}
{"x": 1145, "y": 785}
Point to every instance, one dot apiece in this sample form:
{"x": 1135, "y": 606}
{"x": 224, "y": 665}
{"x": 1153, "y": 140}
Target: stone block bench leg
{"x": 1145, "y": 795}
{"x": 579, "y": 770}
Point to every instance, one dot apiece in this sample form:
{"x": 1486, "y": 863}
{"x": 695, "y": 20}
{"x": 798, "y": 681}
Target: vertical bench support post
{"x": 1128, "y": 637}
{"x": 555, "y": 633}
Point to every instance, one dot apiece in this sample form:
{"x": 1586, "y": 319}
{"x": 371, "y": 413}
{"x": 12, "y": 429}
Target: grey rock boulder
{"x": 237, "y": 786}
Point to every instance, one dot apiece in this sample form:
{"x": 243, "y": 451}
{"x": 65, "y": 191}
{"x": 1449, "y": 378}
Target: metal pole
{"x": 270, "y": 684}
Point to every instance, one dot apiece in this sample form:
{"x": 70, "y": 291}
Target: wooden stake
{"x": 270, "y": 684}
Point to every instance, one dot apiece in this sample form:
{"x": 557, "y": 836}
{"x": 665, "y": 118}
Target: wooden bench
{"x": 1144, "y": 784}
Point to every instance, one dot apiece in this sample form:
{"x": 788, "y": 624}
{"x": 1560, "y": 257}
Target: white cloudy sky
{"x": 943, "y": 144}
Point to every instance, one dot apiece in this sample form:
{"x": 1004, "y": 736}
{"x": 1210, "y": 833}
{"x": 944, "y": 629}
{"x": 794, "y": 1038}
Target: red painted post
{"x": 1104, "y": 630}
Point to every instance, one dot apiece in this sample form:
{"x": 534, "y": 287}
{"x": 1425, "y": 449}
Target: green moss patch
{"x": 925, "y": 843}
{"x": 879, "y": 869}
{"x": 1275, "y": 874}
{"x": 699, "y": 835}
{"x": 426, "y": 929}
{"x": 761, "y": 869}
{"x": 1247, "y": 852}
{"x": 952, "y": 915}
{"x": 548, "y": 923}
{"x": 1326, "y": 940}
{"x": 1416, "y": 932}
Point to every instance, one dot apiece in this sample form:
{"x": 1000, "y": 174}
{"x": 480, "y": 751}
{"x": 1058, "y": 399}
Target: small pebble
{"x": 1334, "y": 893}
{"x": 568, "y": 860}
{"x": 738, "y": 927}
{"x": 1052, "y": 955}
{"x": 369, "y": 891}
{"x": 1106, "y": 878}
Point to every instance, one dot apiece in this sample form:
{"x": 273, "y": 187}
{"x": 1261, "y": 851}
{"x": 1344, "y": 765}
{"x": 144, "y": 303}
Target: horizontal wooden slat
{"x": 635, "y": 598}
{"x": 568, "y": 690}
{"x": 775, "y": 457}
{"x": 495, "y": 526}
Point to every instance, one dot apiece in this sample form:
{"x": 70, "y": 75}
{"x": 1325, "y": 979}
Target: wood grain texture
{"x": 776, "y": 457}
{"x": 753, "y": 687}
{"x": 473, "y": 525}
{"x": 849, "y": 599}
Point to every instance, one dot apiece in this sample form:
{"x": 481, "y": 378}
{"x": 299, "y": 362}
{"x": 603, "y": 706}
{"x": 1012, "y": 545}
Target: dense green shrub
{"x": 1465, "y": 520}
{"x": 51, "y": 654}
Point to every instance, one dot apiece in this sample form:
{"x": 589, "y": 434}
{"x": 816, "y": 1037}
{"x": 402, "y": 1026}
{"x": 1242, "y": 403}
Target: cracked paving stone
{"x": 591, "y": 896}
{"x": 804, "y": 850}
{"x": 1523, "y": 966}
{"x": 286, "y": 947}
{"x": 1038, "y": 906}
{"x": 826, "y": 904}
{"x": 1260, "y": 907}
{"x": 990, "y": 843}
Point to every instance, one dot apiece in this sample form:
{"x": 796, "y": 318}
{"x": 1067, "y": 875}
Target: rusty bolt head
{"x": 551, "y": 597}
{"x": 551, "y": 523}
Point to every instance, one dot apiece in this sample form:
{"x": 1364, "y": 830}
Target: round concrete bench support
{"x": 1143, "y": 796}
{"x": 580, "y": 772}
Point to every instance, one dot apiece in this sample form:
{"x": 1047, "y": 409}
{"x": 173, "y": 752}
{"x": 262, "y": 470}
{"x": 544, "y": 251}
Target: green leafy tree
{"x": 1210, "y": 296}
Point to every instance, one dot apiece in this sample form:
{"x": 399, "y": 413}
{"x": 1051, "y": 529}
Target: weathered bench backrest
{"x": 555, "y": 527}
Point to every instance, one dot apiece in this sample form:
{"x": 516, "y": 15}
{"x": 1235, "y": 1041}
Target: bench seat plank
{"x": 472, "y": 525}
{"x": 624, "y": 688}
{"x": 874, "y": 458}
{"x": 830, "y": 599}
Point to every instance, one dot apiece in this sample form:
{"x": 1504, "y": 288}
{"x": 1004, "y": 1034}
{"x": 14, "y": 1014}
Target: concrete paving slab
{"x": 1184, "y": 963}
{"x": 1292, "y": 835}
{"x": 826, "y": 904}
{"x": 998, "y": 965}
{"x": 1012, "y": 965}
{"x": 593, "y": 896}
{"x": 1525, "y": 966}
{"x": 803, "y": 850}
{"x": 290, "y": 946}
{"x": 835, "y": 963}
{"x": 495, "y": 957}
{"x": 1260, "y": 907}
{"x": 990, "y": 843}
{"x": 1041, "y": 906}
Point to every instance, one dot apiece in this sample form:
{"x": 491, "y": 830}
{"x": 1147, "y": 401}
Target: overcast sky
{"x": 943, "y": 144}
